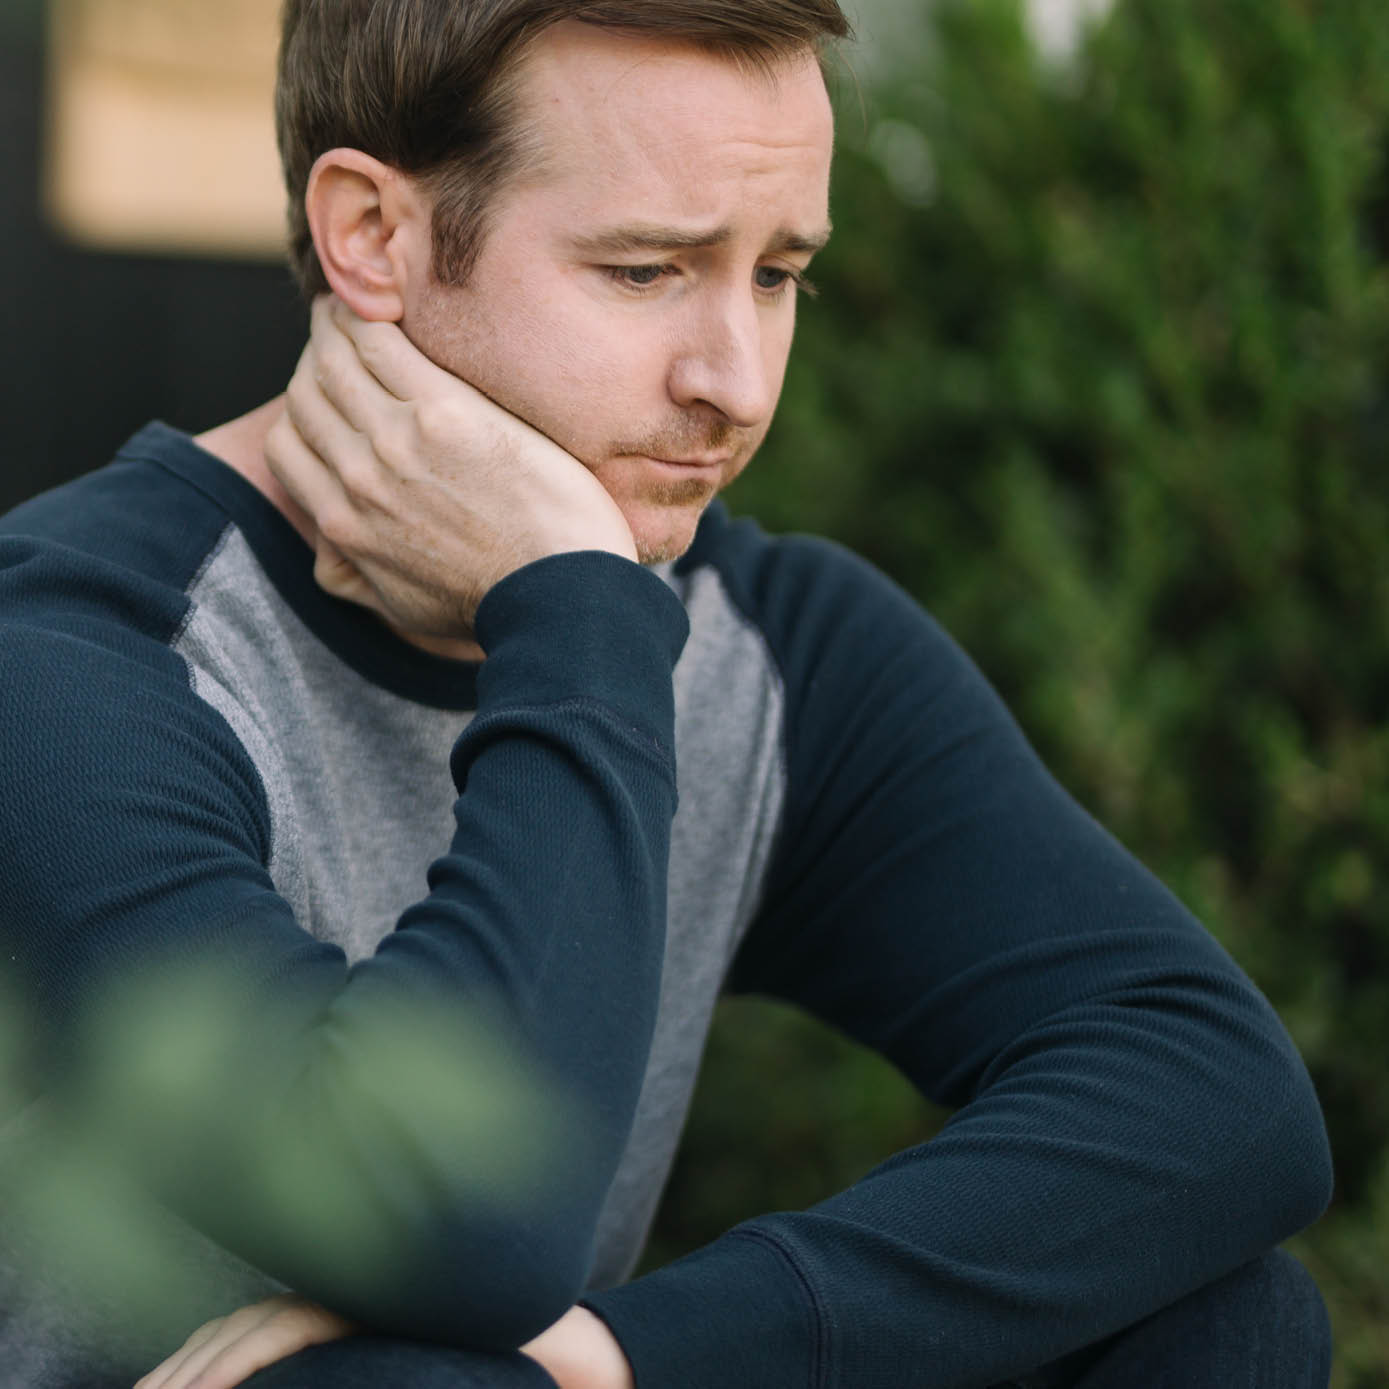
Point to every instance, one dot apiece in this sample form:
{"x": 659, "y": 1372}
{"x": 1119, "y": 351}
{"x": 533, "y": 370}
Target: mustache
{"x": 714, "y": 437}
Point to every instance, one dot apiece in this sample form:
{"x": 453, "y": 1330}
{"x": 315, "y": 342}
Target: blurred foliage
{"x": 181, "y": 1100}
{"x": 1099, "y": 374}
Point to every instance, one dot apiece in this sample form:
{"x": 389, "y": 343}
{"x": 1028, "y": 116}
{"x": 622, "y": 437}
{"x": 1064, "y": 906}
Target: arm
{"x": 1132, "y": 1119}
{"x": 578, "y": 1352}
{"x": 137, "y": 836}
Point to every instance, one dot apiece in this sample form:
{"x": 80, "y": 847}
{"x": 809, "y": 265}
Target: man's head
{"x": 595, "y": 213}
{"x": 428, "y": 87}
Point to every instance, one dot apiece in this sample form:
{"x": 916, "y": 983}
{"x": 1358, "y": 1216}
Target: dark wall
{"x": 92, "y": 346}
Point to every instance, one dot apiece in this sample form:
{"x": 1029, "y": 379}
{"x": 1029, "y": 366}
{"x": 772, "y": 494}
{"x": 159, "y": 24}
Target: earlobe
{"x": 365, "y": 218}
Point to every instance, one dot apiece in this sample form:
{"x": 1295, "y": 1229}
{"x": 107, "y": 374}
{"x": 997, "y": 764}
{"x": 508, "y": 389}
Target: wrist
{"x": 579, "y": 1352}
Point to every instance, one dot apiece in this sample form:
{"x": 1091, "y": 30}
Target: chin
{"x": 664, "y": 533}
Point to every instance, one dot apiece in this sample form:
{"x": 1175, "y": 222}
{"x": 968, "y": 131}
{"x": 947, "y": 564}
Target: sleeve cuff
{"x": 737, "y": 1314}
{"x": 583, "y": 625}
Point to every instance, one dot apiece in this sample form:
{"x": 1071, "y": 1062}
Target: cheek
{"x": 531, "y": 366}
{"x": 585, "y": 378}
{"x": 586, "y": 382}
{"x": 776, "y": 347}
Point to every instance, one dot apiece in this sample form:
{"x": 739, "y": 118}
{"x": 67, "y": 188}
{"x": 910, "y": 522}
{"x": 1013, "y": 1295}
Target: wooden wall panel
{"x": 160, "y": 133}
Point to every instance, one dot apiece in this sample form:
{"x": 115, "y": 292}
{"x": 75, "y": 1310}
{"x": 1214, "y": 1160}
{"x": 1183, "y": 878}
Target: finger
{"x": 181, "y": 1368}
{"x": 188, "y": 1367}
{"x": 321, "y": 424}
{"x": 200, "y": 1352}
{"x": 337, "y": 373}
{"x": 340, "y": 578}
{"x": 310, "y": 483}
{"x": 394, "y": 361}
{"x": 283, "y": 1334}
{"x": 164, "y": 1373}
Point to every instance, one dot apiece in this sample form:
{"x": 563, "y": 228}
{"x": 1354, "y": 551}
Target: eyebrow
{"x": 643, "y": 237}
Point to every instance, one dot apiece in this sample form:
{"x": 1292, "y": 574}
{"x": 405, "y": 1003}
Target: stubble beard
{"x": 687, "y": 494}
{"x": 686, "y": 499}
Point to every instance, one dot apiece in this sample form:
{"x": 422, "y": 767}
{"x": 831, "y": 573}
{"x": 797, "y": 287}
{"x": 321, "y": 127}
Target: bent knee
{"x": 1262, "y": 1326}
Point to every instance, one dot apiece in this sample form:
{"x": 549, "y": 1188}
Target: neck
{"x": 241, "y": 446}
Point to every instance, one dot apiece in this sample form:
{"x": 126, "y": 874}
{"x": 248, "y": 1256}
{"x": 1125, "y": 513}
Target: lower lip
{"x": 706, "y": 470}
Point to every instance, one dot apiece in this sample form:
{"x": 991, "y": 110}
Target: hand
{"x": 230, "y": 1349}
{"x": 423, "y": 492}
{"x": 579, "y": 1352}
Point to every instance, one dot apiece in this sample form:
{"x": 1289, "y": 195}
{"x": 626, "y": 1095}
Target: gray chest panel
{"x": 361, "y": 802}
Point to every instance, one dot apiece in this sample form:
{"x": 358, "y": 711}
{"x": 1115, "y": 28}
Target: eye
{"x": 774, "y": 280}
{"x": 639, "y": 277}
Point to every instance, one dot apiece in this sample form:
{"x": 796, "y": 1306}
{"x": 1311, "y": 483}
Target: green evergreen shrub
{"x": 1101, "y": 374}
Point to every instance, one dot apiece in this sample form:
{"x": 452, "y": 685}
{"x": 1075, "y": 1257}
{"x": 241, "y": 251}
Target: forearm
{"x": 545, "y": 921}
{"x": 1136, "y": 1148}
{"x": 542, "y": 935}
{"x": 1131, "y": 1118}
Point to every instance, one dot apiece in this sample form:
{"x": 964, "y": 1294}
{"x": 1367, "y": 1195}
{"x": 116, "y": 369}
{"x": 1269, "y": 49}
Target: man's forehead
{"x": 590, "y": 93}
{"x": 637, "y": 238}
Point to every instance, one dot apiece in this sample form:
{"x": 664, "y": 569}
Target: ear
{"x": 372, "y": 231}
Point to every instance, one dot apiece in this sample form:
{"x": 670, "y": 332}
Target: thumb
{"x": 340, "y": 578}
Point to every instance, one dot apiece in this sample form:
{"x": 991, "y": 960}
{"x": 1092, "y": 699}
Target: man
{"x": 470, "y": 568}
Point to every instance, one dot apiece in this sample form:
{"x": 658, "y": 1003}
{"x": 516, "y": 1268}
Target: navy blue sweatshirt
{"x": 208, "y": 758}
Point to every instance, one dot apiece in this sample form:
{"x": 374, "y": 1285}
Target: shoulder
{"x": 95, "y": 698}
{"x": 92, "y": 709}
{"x": 150, "y": 508}
{"x": 786, "y": 581}
{"x": 120, "y": 782}
{"x": 113, "y": 553}
{"x": 841, "y": 633}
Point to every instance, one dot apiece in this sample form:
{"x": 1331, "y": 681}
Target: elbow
{"x": 1265, "y": 1139}
{"x": 1288, "y": 1154}
{"x": 533, "y": 1278}
{"x": 1309, "y": 1170}
{"x": 535, "y": 1300}
{"x": 485, "y": 1286}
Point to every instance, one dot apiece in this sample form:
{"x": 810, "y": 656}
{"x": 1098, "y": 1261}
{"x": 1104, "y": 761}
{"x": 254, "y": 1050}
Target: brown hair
{"x": 425, "y": 86}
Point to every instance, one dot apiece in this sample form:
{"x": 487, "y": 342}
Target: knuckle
{"x": 331, "y": 373}
{"x": 298, "y": 392}
{"x": 277, "y": 439}
{"x": 398, "y": 443}
{"x": 436, "y": 420}
{"x": 336, "y": 524}
{"x": 373, "y": 342}
{"x": 366, "y": 490}
{"x": 354, "y": 474}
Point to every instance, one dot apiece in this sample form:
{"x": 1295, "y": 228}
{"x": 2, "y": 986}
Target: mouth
{"x": 694, "y": 465}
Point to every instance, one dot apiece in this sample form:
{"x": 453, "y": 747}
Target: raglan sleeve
{"x": 1130, "y": 1119}
{"x": 459, "y": 1099}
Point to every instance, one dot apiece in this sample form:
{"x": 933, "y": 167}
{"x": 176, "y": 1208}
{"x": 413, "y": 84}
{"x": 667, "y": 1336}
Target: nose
{"x": 721, "y": 363}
